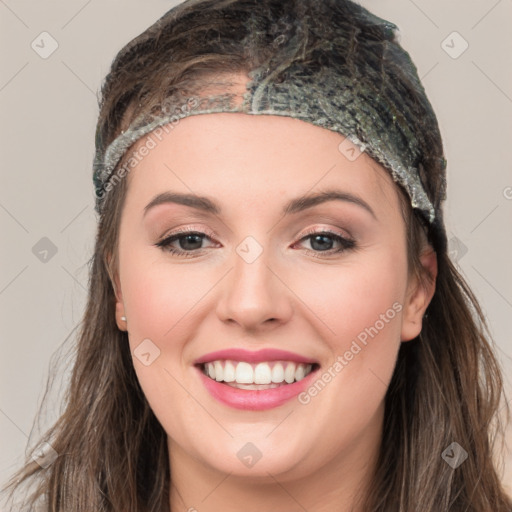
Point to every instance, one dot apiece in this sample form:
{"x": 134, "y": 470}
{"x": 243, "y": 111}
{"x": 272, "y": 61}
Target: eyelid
{"x": 319, "y": 230}
{"x": 188, "y": 229}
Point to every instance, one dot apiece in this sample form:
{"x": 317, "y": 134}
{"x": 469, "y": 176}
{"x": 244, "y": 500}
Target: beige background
{"x": 49, "y": 109}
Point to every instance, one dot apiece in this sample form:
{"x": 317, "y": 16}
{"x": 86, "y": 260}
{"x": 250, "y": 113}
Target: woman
{"x": 273, "y": 320}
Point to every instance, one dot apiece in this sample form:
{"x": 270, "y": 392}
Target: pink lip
{"x": 267, "y": 354}
{"x": 254, "y": 399}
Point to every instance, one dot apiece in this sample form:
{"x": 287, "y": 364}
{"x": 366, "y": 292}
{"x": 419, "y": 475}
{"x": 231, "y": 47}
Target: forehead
{"x": 252, "y": 156}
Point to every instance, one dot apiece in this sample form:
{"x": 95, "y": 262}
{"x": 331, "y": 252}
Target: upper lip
{"x": 259, "y": 356}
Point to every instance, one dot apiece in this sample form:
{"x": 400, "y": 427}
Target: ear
{"x": 418, "y": 297}
{"x": 116, "y": 284}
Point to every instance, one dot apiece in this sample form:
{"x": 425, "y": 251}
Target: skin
{"x": 315, "y": 456}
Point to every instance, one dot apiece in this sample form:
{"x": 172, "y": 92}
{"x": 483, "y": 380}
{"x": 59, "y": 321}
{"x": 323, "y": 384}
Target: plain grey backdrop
{"x": 54, "y": 57}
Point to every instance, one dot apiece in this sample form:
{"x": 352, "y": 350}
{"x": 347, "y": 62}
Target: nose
{"x": 254, "y": 295}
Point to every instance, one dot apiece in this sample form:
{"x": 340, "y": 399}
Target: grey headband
{"x": 360, "y": 104}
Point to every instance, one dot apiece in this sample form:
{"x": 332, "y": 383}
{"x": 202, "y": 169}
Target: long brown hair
{"x": 446, "y": 387}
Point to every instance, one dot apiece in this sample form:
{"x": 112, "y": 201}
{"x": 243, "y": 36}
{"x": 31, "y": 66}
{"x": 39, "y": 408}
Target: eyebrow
{"x": 293, "y": 206}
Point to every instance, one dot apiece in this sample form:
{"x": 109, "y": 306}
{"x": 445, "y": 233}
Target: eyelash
{"x": 346, "y": 243}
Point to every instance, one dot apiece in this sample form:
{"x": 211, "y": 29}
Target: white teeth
{"x": 263, "y": 375}
{"x": 219, "y": 371}
{"x": 244, "y": 373}
{"x": 229, "y": 372}
{"x": 289, "y": 373}
{"x": 300, "y": 372}
{"x": 278, "y": 373}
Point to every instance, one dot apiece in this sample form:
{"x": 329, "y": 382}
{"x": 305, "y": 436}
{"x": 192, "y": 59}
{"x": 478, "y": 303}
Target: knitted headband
{"x": 336, "y": 66}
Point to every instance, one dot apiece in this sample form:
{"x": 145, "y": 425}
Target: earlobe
{"x": 120, "y": 316}
{"x": 419, "y": 295}
{"x": 116, "y": 284}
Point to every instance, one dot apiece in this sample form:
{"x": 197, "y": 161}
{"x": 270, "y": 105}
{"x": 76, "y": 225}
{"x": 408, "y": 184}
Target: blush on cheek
{"x": 157, "y": 295}
{"x": 367, "y": 327}
{"x": 374, "y": 345}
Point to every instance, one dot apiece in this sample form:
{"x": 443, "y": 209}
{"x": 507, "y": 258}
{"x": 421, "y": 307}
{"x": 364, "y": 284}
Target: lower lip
{"x": 254, "y": 399}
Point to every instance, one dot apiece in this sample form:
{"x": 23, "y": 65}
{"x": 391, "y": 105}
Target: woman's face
{"x": 260, "y": 275}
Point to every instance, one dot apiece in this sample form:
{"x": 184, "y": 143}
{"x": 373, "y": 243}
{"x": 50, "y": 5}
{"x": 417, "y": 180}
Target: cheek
{"x": 161, "y": 301}
{"x": 351, "y": 299}
{"x": 360, "y": 307}
{"x": 157, "y": 294}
